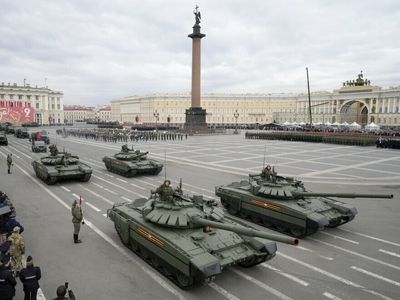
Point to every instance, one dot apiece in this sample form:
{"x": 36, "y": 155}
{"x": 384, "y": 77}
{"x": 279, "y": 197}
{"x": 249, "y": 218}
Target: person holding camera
{"x": 77, "y": 219}
{"x": 62, "y": 291}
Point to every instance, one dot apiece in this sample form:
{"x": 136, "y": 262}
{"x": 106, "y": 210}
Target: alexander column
{"x": 195, "y": 115}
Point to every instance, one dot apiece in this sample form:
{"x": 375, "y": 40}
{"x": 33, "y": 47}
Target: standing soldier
{"x": 16, "y": 250}
{"x": 7, "y": 281}
{"x": 77, "y": 219}
{"x": 9, "y": 162}
{"x": 30, "y": 277}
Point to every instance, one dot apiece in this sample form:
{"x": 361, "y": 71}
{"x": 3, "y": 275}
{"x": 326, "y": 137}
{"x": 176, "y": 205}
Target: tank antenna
{"x": 265, "y": 150}
{"x": 165, "y": 163}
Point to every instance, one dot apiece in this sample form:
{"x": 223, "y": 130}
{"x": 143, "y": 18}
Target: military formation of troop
{"x": 123, "y": 135}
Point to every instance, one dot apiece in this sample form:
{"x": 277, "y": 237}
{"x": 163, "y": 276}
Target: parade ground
{"x": 359, "y": 260}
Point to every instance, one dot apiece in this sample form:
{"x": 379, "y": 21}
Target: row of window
{"x": 14, "y": 104}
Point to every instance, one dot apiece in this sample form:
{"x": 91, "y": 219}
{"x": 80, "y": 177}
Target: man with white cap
{"x": 16, "y": 250}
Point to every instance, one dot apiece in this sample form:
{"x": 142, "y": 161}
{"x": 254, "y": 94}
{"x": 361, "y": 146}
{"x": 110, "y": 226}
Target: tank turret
{"x": 284, "y": 203}
{"x": 188, "y": 237}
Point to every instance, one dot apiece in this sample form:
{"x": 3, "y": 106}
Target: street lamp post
{"x": 156, "y": 115}
{"x": 236, "y": 116}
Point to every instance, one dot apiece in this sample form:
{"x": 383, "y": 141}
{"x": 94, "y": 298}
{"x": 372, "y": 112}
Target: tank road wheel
{"x": 243, "y": 214}
{"x": 297, "y": 231}
{"x": 155, "y": 261}
{"x": 255, "y": 219}
{"x": 249, "y": 262}
{"x": 50, "y": 180}
{"x": 86, "y": 177}
{"x": 183, "y": 280}
{"x": 156, "y": 171}
{"x": 280, "y": 227}
{"x": 334, "y": 223}
{"x": 131, "y": 173}
{"x": 266, "y": 222}
{"x": 134, "y": 245}
{"x": 144, "y": 253}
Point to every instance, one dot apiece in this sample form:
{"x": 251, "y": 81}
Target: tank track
{"x": 272, "y": 223}
{"x": 182, "y": 280}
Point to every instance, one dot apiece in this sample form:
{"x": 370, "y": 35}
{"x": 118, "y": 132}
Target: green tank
{"x": 188, "y": 238}
{"x": 129, "y": 163}
{"x": 61, "y": 166}
{"x": 284, "y": 204}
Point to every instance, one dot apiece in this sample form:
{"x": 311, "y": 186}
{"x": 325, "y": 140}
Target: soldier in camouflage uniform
{"x": 16, "y": 250}
{"x": 165, "y": 191}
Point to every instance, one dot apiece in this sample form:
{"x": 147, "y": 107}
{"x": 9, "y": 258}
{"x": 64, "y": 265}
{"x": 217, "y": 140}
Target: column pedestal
{"x": 196, "y": 120}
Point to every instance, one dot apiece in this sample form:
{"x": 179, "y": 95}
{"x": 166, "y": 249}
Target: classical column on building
{"x": 195, "y": 115}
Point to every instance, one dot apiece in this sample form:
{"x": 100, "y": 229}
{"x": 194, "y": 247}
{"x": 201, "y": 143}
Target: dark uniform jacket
{"x": 30, "y": 277}
{"x": 7, "y": 283}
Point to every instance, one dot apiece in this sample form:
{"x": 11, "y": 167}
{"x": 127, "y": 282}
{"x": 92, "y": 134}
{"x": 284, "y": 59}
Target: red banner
{"x": 17, "y": 114}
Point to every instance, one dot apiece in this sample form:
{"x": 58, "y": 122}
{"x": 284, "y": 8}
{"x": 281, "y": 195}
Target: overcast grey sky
{"x": 96, "y": 51}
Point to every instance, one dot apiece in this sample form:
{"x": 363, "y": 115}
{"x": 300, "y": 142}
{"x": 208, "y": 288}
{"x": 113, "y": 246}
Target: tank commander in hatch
{"x": 267, "y": 173}
{"x": 125, "y": 148}
{"x": 165, "y": 191}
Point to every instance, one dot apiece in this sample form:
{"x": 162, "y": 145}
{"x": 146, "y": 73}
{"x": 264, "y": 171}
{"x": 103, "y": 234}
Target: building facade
{"x": 103, "y": 114}
{"x": 78, "y": 113}
{"x": 45, "y": 105}
{"x": 356, "y": 101}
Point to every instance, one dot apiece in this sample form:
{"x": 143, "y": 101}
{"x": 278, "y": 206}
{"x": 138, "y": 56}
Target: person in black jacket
{"x": 30, "y": 277}
{"x": 7, "y": 280}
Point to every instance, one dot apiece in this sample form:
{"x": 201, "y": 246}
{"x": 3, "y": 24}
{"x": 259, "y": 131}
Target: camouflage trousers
{"x": 16, "y": 263}
{"x": 77, "y": 227}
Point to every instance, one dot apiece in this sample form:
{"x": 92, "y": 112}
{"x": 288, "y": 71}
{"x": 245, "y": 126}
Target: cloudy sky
{"x": 99, "y": 50}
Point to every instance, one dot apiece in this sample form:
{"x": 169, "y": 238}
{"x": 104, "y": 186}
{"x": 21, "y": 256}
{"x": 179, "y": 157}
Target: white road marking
{"x": 20, "y": 152}
{"x": 262, "y": 285}
{"x": 75, "y": 195}
{"x": 65, "y": 189}
{"x": 123, "y": 251}
{"x": 331, "y": 275}
{"x": 340, "y": 238}
{"x": 105, "y": 215}
{"x": 330, "y": 296}
{"x": 376, "y": 276}
{"x": 109, "y": 175}
{"x": 98, "y": 185}
{"x": 311, "y": 251}
{"x": 127, "y": 199}
{"x": 371, "y": 237}
{"x": 137, "y": 186}
{"x": 122, "y": 180}
{"x": 110, "y": 191}
{"x": 121, "y": 187}
{"x": 389, "y": 253}
{"x": 222, "y": 291}
{"x": 287, "y": 275}
{"x": 358, "y": 254}
{"x": 97, "y": 195}
{"x": 92, "y": 206}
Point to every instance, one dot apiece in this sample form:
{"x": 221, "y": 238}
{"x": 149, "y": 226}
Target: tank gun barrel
{"x": 245, "y": 231}
{"x": 342, "y": 195}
